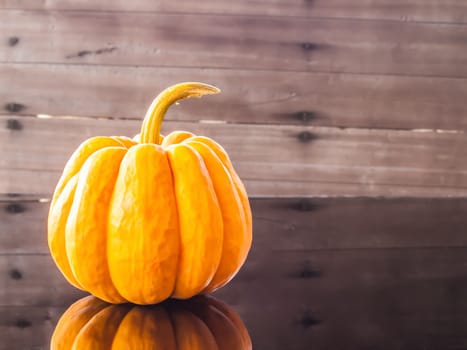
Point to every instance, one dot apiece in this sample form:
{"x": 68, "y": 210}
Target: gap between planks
{"x": 195, "y": 123}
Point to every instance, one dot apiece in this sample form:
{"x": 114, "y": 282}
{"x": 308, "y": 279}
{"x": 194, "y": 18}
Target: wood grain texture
{"x": 399, "y": 10}
{"x": 381, "y": 273}
{"x": 388, "y": 299}
{"x": 248, "y": 96}
{"x": 33, "y": 279}
{"x": 297, "y": 224}
{"x": 374, "y": 241}
{"x": 396, "y": 318}
{"x": 28, "y": 328}
{"x": 406, "y": 299}
{"x": 234, "y": 42}
{"x": 303, "y": 274}
{"x": 272, "y": 160}
{"x": 358, "y": 223}
{"x": 23, "y": 227}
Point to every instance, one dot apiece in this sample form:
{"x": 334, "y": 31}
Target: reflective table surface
{"x": 322, "y": 274}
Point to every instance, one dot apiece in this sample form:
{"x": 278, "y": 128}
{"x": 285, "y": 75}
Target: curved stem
{"x": 150, "y": 130}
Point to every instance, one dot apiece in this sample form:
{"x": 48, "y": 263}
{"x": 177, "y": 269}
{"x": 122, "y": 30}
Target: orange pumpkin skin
{"x": 145, "y": 219}
{"x": 200, "y": 323}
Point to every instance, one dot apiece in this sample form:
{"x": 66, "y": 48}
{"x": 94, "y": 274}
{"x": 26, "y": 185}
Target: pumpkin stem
{"x": 150, "y": 130}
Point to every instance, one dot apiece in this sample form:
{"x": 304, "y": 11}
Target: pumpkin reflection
{"x": 199, "y": 323}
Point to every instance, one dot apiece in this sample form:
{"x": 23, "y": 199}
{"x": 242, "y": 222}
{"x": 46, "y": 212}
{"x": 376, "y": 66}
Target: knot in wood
{"x": 305, "y": 205}
{"x": 22, "y": 323}
{"x": 305, "y": 136}
{"x": 305, "y": 116}
{"x": 307, "y": 320}
{"x": 308, "y": 46}
{"x": 15, "y": 274}
{"x": 13, "y": 41}
{"x": 14, "y": 208}
{"x": 14, "y": 107}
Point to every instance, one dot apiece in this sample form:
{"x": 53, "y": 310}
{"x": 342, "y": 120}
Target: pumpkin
{"x": 141, "y": 220}
{"x": 200, "y": 323}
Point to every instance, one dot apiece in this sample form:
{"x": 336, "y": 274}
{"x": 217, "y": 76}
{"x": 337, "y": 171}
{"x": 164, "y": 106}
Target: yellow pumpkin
{"x": 200, "y": 323}
{"x": 141, "y": 220}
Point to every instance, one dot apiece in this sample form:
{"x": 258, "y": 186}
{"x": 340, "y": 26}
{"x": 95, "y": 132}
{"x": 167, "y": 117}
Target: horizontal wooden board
{"x": 295, "y": 224}
{"x": 21, "y": 182}
{"x": 28, "y": 327}
{"x": 23, "y": 227}
{"x": 272, "y": 160}
{"x": 35, "y": 280}
{"x": 234, "y": 42}
{"x": 307, "y": 275}
{"x": 399, "y": 10}
{"x": 248, "y": 96}
{"x": 358, "y": 223}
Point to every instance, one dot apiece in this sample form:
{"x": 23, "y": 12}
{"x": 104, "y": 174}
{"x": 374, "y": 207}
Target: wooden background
{"x": 325, "y": 98}
{"x": 346, "y": 121}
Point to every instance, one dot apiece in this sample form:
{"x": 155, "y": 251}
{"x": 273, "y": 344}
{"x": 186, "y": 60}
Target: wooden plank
{"x": 234, "y": 42}
{"x": 316, "y": 160}
{"x": 28, "y": 327}
{"x": 308, "y": 275}
{"x": 23, "y": 227}
{"x": 363, "y": 223}
{"x": 413, "y": 10}
{"x": 33, "y": 280}
{"x": 304, "y": 275}
{"x": 295, "y": 224}
{"x": 41, "y": 184}
{"x": 248, "y": 96}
